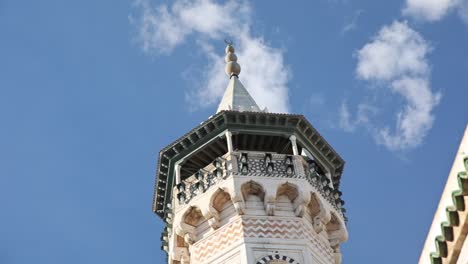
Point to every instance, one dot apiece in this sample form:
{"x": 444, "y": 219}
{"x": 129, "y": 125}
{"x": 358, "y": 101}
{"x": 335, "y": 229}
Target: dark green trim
{"x": 245, "y": 122}
{"x": 453, "y": 218}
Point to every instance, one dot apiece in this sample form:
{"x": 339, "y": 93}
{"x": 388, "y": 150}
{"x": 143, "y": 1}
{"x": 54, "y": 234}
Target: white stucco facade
{"x": 251, "y": 217}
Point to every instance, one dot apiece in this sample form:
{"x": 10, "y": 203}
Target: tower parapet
{"x": 247, "y": 186}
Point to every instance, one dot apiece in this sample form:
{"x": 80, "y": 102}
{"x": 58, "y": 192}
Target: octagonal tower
{"x": 248, "y": 186}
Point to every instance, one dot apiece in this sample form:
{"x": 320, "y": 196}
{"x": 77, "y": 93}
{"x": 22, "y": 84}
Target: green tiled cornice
{"x": 453, "y": 218}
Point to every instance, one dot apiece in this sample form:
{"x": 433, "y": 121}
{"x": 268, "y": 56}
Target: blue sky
{"x": 90, "y": 91}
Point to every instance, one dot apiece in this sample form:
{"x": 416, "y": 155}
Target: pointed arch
{"x": 252, "y": 188}
{"x": 197, "y": 224}
{"x": 254, "y": 197}
{"x": 286, "y": 194}
{"x": 289, "y": 190}
{"x": 192, "y": 216}
{"x": 221, "y": 201}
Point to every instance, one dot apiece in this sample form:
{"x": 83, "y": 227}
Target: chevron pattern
{"x": 220, "y": 240}
{"x": 280, "y": 228}
{"x": 285, "y": 229}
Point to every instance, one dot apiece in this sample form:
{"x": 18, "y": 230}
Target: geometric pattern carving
{"x": 285, "y": 229}
{"x": 202, "y": 180}
{"x": 220, "y": 240}
{"x": 279, "y": 258}
{"x": 257, "y": 166}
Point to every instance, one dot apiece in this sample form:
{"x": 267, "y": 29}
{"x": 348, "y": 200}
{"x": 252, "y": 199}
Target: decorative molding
{"x": 259, "y": 164}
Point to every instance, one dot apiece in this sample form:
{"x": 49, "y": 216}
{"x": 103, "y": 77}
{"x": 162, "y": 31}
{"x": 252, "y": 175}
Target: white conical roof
{"x": 237, "y": 98}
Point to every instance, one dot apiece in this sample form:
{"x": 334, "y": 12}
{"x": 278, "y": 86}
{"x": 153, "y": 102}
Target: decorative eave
{"x": 454, "y": 211}
{"x": 261, "y": 122}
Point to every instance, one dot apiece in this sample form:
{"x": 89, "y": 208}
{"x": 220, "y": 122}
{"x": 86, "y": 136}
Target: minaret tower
{"x": 250, "y": 187}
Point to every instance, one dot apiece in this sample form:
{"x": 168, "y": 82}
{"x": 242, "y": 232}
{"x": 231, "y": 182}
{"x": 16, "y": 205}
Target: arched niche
{"x": 286, "y": 194}
{"x": 254, "y": 196}
{"x": 221, "y": 202}
{"x": 194, "y": 217}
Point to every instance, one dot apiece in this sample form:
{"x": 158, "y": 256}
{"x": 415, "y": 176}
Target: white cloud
{"x": 397, "y": 58}
{"x": 430, "y": 10}
{"x": 364, "y": 113}
{"x": 353, "y": 22}
{"x": 345, "y": 119}
{"x": 264, "y": 74}
{"x": 416, "y": 119}
{"x": 435, "y": 10}
{"x": 396, "y": 50}
{"x": 164, "y": 27}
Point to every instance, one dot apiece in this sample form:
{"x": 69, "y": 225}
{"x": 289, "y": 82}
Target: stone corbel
{"x": 318, "y": 225}
{"x": 236, "y": 197}
{"x": 334, "y": 243}
{"x": 181, "y": 254}
{"x": 300, "y": 209}
{"x": 337, "y": 255}
{"x": 300, "y": 204}
{"x": 186, "y": 231}
{"x": 239, "y": 205}
{"x": 212, "y": 216}
{"x": 336, "y": 238}
{"x": 270, "y": 205}
{"x": 185, "y": 261}
{"x": 213, "y": 222}
{"x": 339, "y": 235}
{"x": 190, "y": 238}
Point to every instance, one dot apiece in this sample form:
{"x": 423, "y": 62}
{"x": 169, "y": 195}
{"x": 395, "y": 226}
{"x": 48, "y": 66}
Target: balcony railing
{"x": 203, "y": 180}
{"x": 259, "y": 164}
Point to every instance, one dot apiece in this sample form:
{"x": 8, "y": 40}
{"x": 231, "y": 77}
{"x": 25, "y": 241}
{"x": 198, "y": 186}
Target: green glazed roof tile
{"x": 453, "y": 218}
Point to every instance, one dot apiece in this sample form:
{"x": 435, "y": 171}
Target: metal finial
{"x": 229, "y": 42}
{"x": 232, "y": 67}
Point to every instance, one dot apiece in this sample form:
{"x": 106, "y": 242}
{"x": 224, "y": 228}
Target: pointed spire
{"x": 236, "y": 97}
